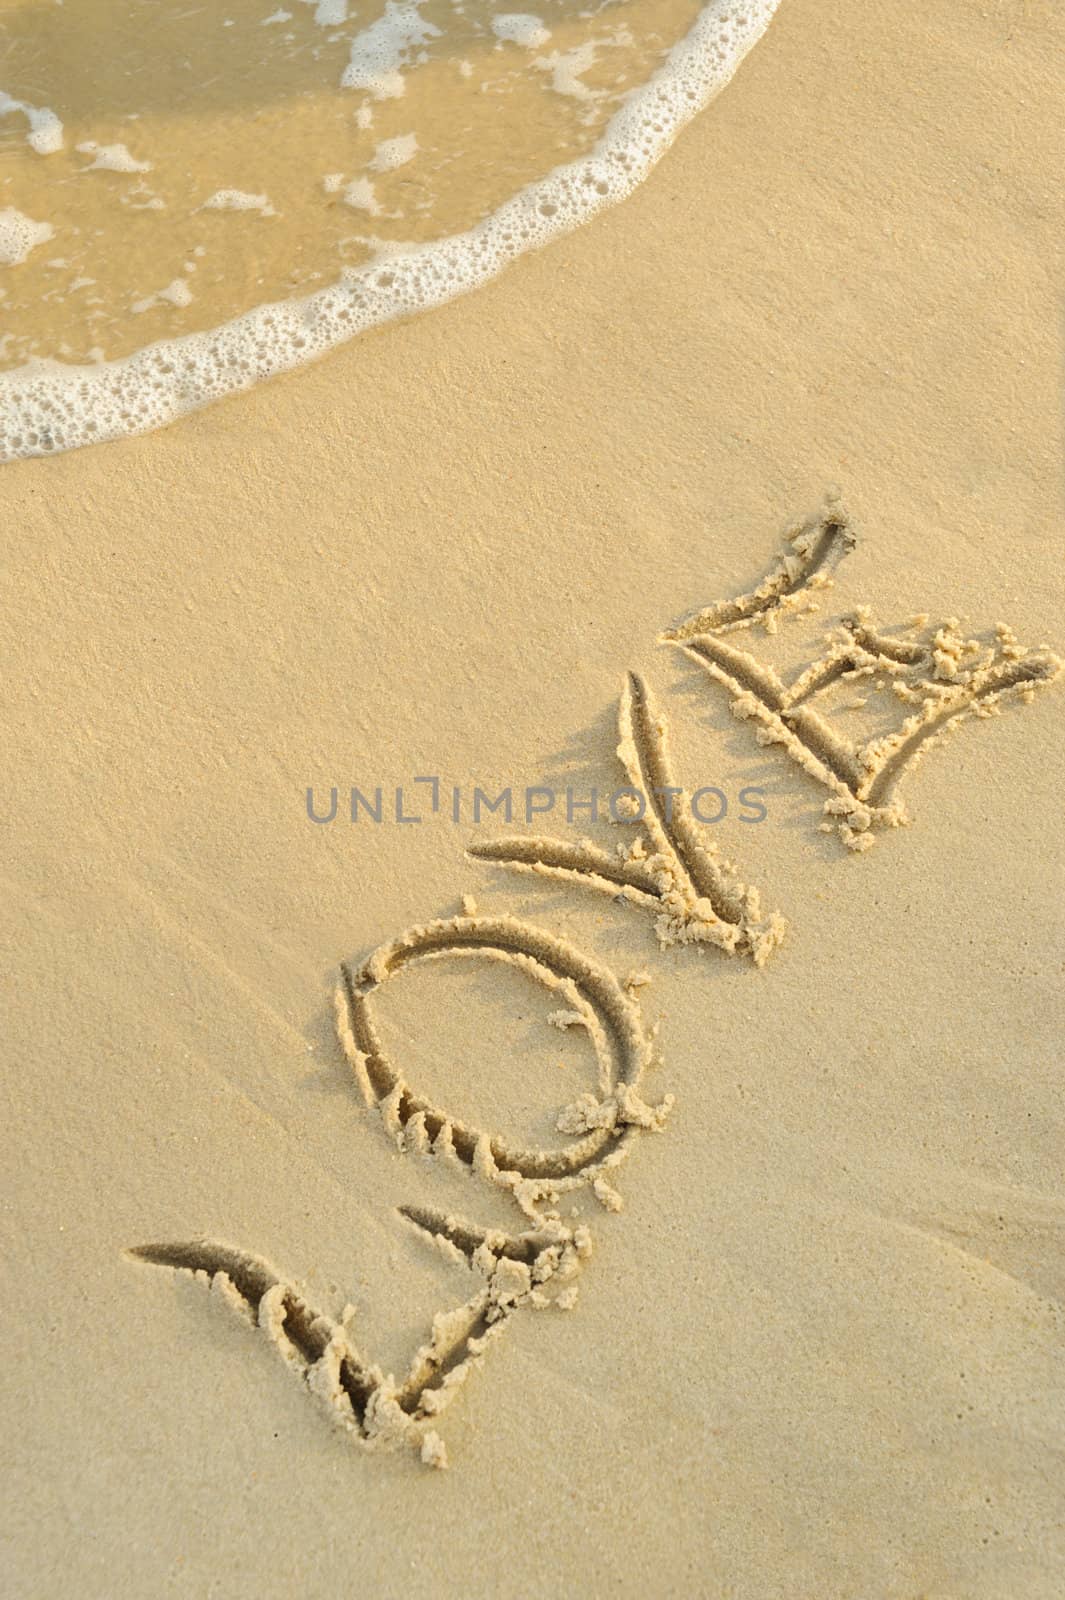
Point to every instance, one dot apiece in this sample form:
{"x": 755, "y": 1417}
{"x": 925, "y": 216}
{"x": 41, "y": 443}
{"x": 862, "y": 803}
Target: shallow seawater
{"x": 196, "y": 197}
{"x": 165, "y": 166}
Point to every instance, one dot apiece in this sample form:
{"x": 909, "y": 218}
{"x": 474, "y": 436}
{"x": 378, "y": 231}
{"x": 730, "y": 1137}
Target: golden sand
{"x": 818, "y": 1349}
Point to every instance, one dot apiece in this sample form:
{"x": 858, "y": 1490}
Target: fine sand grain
{"x": 808, "y": 1340}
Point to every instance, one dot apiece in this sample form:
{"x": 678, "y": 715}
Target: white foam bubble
{"x": 47, "y": 406}
{"x": 239, "y": 200}
{"x": 379, "y": 52}
{"x": 177, "y": 293}
{"x": 45, "y": 133}
{"x": 518, "y": 27}
{"x": 393, "y": 153}
{"x": 566, "y": 66}
{"x": 19, "y": 235}
{"x": 360, "y": 194}
{"x": 140, "y": 198}
{"x": 329, "y": 13}
{"x": 111, "y": 158}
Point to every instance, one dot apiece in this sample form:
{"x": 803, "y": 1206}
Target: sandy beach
{"x": 820, "y": 1350}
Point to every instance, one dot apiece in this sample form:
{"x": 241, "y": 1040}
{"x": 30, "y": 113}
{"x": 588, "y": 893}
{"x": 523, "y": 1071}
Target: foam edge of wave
{"x": 48, "y": 406}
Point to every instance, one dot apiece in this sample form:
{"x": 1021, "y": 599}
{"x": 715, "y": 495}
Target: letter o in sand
{"x": 610, "y": 1016}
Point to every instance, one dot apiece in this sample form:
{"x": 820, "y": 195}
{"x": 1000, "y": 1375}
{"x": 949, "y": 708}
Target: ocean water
{"x": 194, "y": 196}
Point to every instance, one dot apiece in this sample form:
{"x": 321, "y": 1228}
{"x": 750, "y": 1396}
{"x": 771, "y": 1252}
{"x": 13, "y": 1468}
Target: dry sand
{"x": 820, "y": 1350}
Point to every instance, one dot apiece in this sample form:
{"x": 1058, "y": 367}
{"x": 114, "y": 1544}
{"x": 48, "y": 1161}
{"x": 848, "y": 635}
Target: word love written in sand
{"x": 670, "y": 869}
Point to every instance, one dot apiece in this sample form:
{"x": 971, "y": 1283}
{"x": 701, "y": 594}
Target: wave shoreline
{"x": 48, "y": 407}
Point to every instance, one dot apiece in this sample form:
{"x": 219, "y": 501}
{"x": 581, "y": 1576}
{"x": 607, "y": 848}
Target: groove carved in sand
{"x": 671, "y": 867}
{"x": 592, "y": 999}
{"x": 536, "y": 1268}
{"x": 943, "y": 676}
{"x": 812, "y": 552}
{"x": 695, "y": 897}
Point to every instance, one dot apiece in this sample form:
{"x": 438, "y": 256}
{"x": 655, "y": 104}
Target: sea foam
{"x": 48, "y": 406}
{"x": 19, "y": 235}
{"x": 45, "y": 129}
